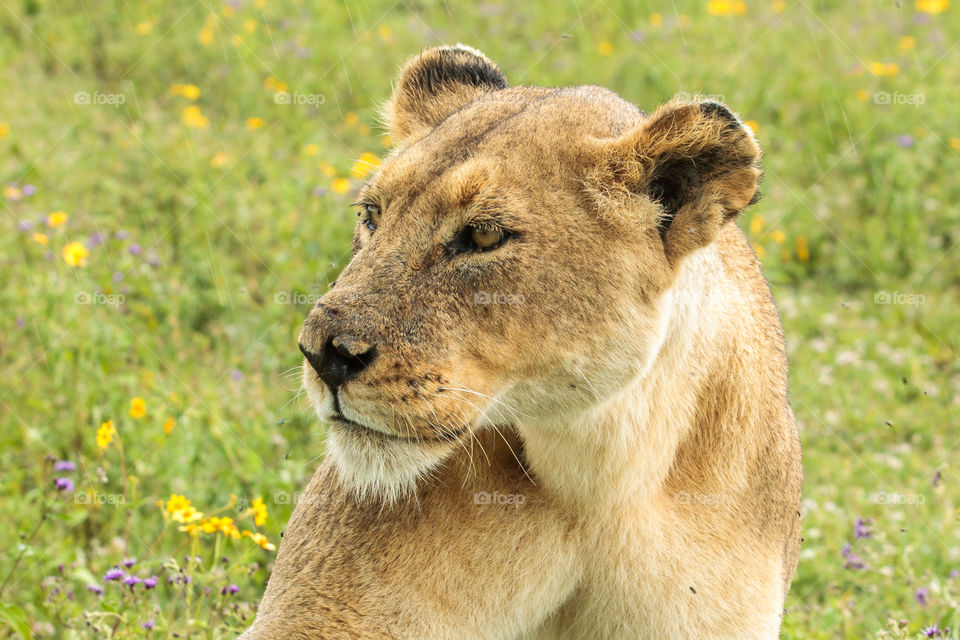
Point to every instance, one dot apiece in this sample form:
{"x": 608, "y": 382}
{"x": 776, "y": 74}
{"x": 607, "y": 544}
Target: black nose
{"x": 341, "y": 359}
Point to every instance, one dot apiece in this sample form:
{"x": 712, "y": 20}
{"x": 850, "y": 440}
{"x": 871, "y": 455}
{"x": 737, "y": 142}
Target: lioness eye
{"x": 372, "y": 213}
{"x": 486, "y": 238}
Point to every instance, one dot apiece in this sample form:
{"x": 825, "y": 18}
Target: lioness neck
{"x": 625, "y": 448}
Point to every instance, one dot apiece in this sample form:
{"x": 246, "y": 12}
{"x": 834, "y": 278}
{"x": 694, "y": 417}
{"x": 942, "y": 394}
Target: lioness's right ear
{"x": 436, "y": 83}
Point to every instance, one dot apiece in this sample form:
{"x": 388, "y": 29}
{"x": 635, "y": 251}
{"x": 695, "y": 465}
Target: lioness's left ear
{"x": 698, "y": 162}
{"x": 436, "y": 83}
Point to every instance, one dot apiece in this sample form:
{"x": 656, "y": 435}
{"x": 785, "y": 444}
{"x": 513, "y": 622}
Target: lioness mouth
{"x": 445, "y": 436}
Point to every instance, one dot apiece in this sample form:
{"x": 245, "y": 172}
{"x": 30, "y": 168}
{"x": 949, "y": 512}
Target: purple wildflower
{"x": 25, "y": 225}
{"x": 117, "y": 276}
{"x": 153, "y": 260}
{"x": 135, "y": 249}
{"x": 150, "y": 583}
{"x": 63, "y": 484}
{"x": 121, "y": 235}
{"x": 319, "y": 191}
{"x": 852, "y": 561}
{"x": 231, "y": 589}
{"x": 936, "y": 479}
{"x": 129, "y": 562}
{"x": 95, "y": 239}
{"x": 132, "y": 581}
{"x": 905, "y": 141}
{"x": 148, "y": 625}
{"x": 860, "y": 529}
{"x": 933, "y": 631}
{"x": 114, "y": 574}
{"x": 64, "y": 465}
{"x": 95, "y": 588}
{"x": 236, "y": 374}
{"x": 922, "y": 596}
{"x": 28, "y": 190}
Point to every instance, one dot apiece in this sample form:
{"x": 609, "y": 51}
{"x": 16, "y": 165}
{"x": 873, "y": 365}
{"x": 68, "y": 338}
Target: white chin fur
{"x": 381, "y": 468}
{"x": 374, "y": 467}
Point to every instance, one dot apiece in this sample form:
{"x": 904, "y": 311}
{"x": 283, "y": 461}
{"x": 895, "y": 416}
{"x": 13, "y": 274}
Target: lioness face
{"x": 509, "y": 259}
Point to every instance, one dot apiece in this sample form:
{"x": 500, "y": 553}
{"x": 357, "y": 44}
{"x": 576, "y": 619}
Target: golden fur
{"x": 582, "y": 433}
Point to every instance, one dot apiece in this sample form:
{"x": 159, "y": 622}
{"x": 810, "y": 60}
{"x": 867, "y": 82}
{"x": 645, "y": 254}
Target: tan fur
{"x": 623, "y": 396}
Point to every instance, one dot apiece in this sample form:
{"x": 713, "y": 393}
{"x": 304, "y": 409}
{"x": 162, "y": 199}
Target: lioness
{"x": 555, "y": 381}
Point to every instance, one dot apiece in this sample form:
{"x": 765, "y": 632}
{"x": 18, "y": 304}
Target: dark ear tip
{"x": 457, "y": 63}
{"x": 718, "y": 110}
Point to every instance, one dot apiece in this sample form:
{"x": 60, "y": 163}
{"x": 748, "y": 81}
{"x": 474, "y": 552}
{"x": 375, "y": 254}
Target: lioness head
{"x": 509, "y": 260}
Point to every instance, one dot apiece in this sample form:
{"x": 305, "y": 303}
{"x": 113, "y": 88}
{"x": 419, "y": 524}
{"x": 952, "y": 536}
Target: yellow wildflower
{"x": 311, "y": 149}
{"x": 250, "y": 25}
{"x": 351, "y": 118}
{"x": 206, "y": 36}
{"x": 760, "y": 251}
{"x": 892, "y": 69}
{"x": 778, "y": 6}
{"x": 656, "y": 19}
{"x": 778, "y": 236}
{"x": 105, "y": 434}
{"x": 863, "y": 95}
{"x": 726, "y": 7}
{"x": 907, "y": 43}
{"x": 41, "y": 238}
{"x": 386, "y": 141}
{"x": 228, "y": 11}
{"x": 219, "y": 160}
{"x": 932, "y": 6}
{"x": 259, "y": 539}
{"x": 753, "y": 125}
{"x": 756, "y": 225}
{"x": 12, "y": 193}
{"x": 4, "y": 130}
{"x": 168, "y": 425}
{"x": 56, "y": 219}
{"x": 75, "y": 254}
{"x": 385, "y": 33}
{"x": 259, "y": 511}
{"x": 138, "y": 408}
{"x": 254, "y": 123}
{"x": 605, "y": 48}
{"x": 954, "y": 143}
{"x": 365, "y": 164}
{"x": 340, "y": 185}
{"x": 193, "y": 117}
{"x": 143, "y": 28}
{"x": 803, "y": 251}
{"x": 327, "y": 169}
{"x": 270, "y": 82}
{"x": 281, "y": 87}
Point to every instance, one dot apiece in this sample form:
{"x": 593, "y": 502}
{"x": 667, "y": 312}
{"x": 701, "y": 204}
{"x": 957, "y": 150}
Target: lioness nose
{"x": 341, "y": 359}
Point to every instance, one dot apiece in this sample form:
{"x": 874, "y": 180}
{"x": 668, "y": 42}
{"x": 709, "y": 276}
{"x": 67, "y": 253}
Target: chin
{"x": 381, "y": 467}
{"x": 374, "y": 465}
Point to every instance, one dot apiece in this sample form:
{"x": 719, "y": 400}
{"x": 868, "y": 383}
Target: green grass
{"x": 860, "y": 203}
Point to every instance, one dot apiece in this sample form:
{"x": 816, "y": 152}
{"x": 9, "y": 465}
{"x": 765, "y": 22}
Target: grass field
{"x": 176, "y": 179}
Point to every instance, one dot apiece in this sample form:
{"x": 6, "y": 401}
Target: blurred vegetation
{"x": 204, "y": 156}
